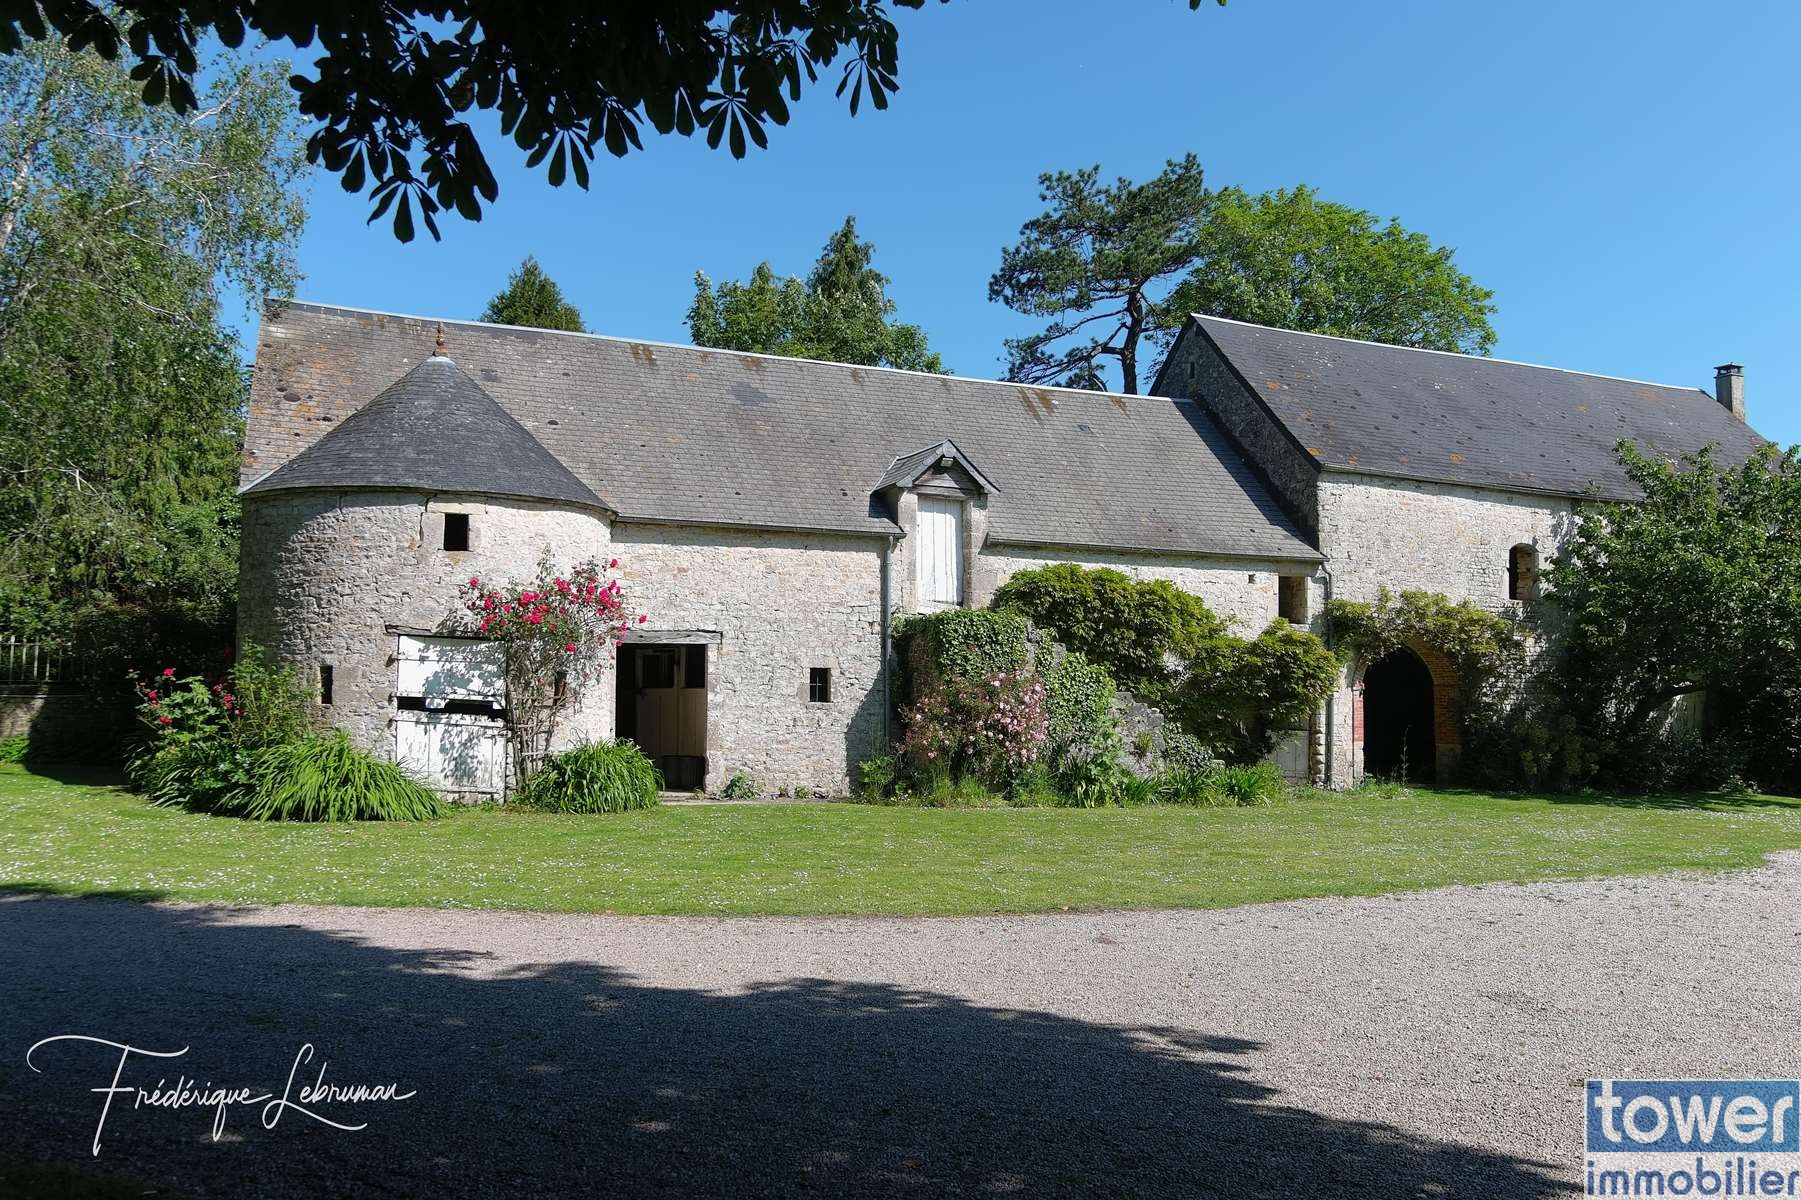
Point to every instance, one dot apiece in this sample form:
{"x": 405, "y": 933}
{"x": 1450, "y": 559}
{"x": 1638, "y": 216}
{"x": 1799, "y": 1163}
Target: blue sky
{"x": 1624, "y": 176}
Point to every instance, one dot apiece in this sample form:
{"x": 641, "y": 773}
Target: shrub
{"x": 1238, "y": 693}
{"x": 557, "y": 632}
{"x": 1134, "y": 629}
{"x": 740, "y": 787}
{"x": 12, "y": 749}
{"x": 1035, "y": 787}
{"x": 594, "y": 777}
{"x": 876, "y": 778}
{"x": 990, "y": 728}
{"x": 1183, "y": 752}
{"x": 1079, "y": 697}
{"x": 1195, "y": 788}
{"x": 1136, "y": 791}
{"x": 201, "y": 742}
{"x": 1096, "y": 782}
{"x": 957, "y": 644}
{"x": 322, "y": 777}
{"x": 1250, "y": 784}
{"x": 941, "y": 791}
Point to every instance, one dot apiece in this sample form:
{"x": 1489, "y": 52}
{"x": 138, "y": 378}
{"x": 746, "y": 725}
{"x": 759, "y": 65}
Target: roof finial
{"x": 438, "y": 352}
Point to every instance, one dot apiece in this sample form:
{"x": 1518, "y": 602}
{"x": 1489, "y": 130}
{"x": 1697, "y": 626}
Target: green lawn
{"x": 85, "y": 836}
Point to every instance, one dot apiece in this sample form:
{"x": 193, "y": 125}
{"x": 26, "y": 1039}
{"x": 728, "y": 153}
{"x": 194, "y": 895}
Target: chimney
{"x": 1729, "y": 388}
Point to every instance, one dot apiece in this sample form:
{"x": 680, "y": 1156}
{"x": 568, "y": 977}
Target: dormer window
{"x": 941, "y": 483}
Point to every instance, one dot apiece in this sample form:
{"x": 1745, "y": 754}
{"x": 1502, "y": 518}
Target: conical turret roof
{"x": 435, "y": 430}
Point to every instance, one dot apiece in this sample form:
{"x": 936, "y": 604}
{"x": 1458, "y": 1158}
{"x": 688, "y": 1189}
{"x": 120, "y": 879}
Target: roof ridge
{"x": 1511, "y": 362}
{"x": 321, "y": 306}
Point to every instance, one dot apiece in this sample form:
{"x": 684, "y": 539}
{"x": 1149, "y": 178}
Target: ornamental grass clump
{"x": 594, "y": 777}
{"x": 322, "y": 777}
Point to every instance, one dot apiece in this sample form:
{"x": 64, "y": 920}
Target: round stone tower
{"x": 353, "y": 549}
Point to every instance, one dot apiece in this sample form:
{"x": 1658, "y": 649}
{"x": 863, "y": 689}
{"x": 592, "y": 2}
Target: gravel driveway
{"x": 1430, "y": 1044}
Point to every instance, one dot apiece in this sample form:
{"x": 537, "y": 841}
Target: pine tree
{"x": 532, "y": 299}
{"x": 840, "y": 312}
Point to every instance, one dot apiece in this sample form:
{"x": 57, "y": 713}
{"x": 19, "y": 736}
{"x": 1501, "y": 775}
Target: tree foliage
{"x": 1289, "y": 259}
{"x": 120, "y": 394}
{"x": 1697, "y": 589}
{"x": 840, "y": 312}
{"x": 1141, "y": 631}
{"x": 1167, "y": 648}
{"x": 532, "y": 299}
{"x": 1118, "y": 267}
{"x": 1236, "y": 694}
{"x": 1096, "y": 262}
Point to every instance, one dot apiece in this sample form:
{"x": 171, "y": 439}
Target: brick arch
{"x": 1447, "y": 710}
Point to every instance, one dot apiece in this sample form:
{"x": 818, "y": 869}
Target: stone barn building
{"x": 773, "y": 516}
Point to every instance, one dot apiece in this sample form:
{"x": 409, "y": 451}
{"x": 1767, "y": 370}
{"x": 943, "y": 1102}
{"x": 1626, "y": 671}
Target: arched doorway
{"x": 1399, "y": 730}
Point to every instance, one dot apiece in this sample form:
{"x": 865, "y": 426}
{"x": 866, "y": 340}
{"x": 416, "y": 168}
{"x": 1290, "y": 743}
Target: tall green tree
{"x": 1118, "y": 267}
{"x": 1097, "y": 262}
{"x": 532, "y": 299}
{"x": 392, "y": 81}
{"x": 1288, "y": 258}
{"x": 840, "y": 312}
{"x": 1696, "y": 589}
{"x": 120, "y": 393}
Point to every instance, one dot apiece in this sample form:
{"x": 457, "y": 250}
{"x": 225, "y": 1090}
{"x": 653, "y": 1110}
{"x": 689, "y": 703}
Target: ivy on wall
{"x": 1482, "y": 645}
{"x": 958, "y": 643}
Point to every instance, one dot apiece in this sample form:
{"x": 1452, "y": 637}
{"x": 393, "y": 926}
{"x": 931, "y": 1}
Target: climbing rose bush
{"x": 991, "y": 726}
{"x": 558, "y": 631}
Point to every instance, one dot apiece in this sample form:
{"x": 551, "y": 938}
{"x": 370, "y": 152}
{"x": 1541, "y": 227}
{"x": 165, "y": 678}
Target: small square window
{"x": 819, "y": 685}
{"x": 456, "y": 531}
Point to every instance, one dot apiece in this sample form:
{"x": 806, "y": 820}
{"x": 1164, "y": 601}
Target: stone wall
{"x": 782, "y": 604}
{"x": 1195, "y": 371}
{"x": 327, "y": 576}
{"x": 1432, "y": 536}
{"x": 324, "y": 576}
{"x": 1429, "y": 537}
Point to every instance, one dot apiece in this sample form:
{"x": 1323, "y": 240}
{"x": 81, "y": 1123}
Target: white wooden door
{"x": 449, "y": 731}
{"x": 460, "y": 754}
{"x": 938, "y": 563}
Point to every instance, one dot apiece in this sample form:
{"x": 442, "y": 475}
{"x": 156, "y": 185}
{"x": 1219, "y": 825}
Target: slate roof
{"x": 434, "y": 429}
{"x": 682, "y": 434}
{"x": 907, "y": 469}
{"x": 1374, "y": 409}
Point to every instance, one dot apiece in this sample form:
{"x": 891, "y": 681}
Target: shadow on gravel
{"x": 576, "y": 1079}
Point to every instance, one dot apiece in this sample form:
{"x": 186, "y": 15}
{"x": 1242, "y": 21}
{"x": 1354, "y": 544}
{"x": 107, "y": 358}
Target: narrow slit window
{"x": 819, "y": 685}
{"x": 456, "y": 531}
{"x": 325, "y": 683}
